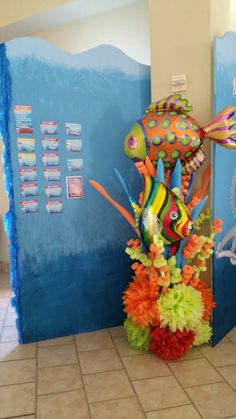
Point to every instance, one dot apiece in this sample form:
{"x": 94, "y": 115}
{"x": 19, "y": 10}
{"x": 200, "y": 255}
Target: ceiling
{"x": 34, "y": 20}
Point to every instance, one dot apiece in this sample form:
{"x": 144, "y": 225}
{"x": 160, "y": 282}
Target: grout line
{"x": 169, "y": 407}
{"x": 15, "y": 360}
{"x": 82, "y": 377}
{"x": 126, "y": 373}
{"x": 74, "y": 390}
{"x": 111, "y": 400}
{"x": 102, "y": 372}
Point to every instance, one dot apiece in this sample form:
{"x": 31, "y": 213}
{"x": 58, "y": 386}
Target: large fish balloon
{"x": 168, "y": 132}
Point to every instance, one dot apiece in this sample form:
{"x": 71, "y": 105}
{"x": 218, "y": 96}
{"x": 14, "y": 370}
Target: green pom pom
{"x": 138, "y": 338}
{"x": 203, "y": 333}
{"x": 181, "y": 307}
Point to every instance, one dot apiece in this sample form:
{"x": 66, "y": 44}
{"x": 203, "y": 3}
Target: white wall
{"x": 126, "y": 28}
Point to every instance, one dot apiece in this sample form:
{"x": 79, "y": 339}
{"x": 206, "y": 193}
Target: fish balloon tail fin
{"x": 220, "y": 129}
{"x": 115, "y": 204}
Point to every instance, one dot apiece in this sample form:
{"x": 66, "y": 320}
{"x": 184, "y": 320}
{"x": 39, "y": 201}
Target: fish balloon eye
{"x": 132, "y": 142}
{"x": 173, "y": 215}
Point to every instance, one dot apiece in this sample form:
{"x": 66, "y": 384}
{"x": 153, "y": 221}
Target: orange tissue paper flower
{"x": 140, "y": 302}
{"x": 207, "y": 299}
{"x": 217, "y": 225}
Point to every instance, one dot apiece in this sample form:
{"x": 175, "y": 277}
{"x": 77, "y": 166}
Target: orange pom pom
{"x": 207, "y": 299}
{"x": 140, "y": 302}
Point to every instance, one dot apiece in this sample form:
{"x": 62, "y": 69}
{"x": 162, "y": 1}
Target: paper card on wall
{"x": 27, "y": 175}
{"x": 23, "y": 119}
{"x": 73, "y": 145}
{"x": 27, "y": 159}
{"x": 50, "y": 159}
{"x": 26, "y": 144}
{"x": 29, "y": 206}
{"x": 53, "y": 190}
{"x": 30, "y": 189}
{"x": 53, "y": 207}
{"x": 50, "y": 144}
{"x": 75, "y": 164}
{"x": 52, "y": 174}
{"x": 48, "y": 127}
{"x": 73, "y": 129}
{"x": 74, "y": 187}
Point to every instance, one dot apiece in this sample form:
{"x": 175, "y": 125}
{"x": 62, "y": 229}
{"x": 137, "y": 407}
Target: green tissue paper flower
{"x": 138, "y": 338}
{"x": 203, "y": 333}
{"x": 181, "y": 307}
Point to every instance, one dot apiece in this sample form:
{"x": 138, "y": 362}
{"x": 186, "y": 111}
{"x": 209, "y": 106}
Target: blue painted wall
{"x": 224, "y": 204}
{"x": 72, "y": 266}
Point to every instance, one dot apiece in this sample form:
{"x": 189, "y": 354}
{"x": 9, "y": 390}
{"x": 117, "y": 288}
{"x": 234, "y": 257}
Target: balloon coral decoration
{"x": 168, "y": 305}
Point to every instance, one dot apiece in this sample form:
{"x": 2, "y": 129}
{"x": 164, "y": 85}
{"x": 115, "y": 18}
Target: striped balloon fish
{"x": 162, "y": 210}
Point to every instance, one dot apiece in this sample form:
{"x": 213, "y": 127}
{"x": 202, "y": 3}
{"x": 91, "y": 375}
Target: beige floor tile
{"x": 117, "y": 332}
{"x": 10, "y": 319}
{"x": 9, "y": 334}
{"x": 145, "y": 366}
{"x": 14, "y": 372}
{"x": 124, "y": 348}
{"x": 93, "y": 340}
{"x": 213, "y": 401}
{"x": 4, "y": 302}
{"x": 2, "y": 313}
{"x": 17, "y": 400}
{"x": 229, "y": 374}
{"x": 232, "y": 335}
{"x": 59, "y": 379}
{"x": 53, "y": 356}
{"x": 10, "y": 351}
{"x": 221, "y": 355}
{"x": 194, "y": 353}
{"x": 70, "y": 405}
{"x": 57, "y": 341}
{"x": 158, "y": 393}
{"x": 195, "y": 372}
{"x": 107, "y": 386}
{"x": 99, "y": 361}
{"x": 121, "y": 409}
{"x": 181, "y": 412}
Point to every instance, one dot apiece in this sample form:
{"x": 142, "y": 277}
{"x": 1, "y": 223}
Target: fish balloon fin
{"x": 150, "y": 168}
{"x": 220, "y": 129}
{"x": 160, "y": 171}
{"x": 135, "y": 206}
{"x": 174, "y": 247}
{"x": 115, "y": 204}
{"x": 170, "y": 103}
{"x": 196, "y": 210}
{"x": 175, "y": 178}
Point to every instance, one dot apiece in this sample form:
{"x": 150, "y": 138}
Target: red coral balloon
{"x": 171, "y": 345}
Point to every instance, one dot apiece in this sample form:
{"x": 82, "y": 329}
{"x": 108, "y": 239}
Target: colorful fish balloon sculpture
{"x": 168, "y": 132}
{"x": 165, "y": 145}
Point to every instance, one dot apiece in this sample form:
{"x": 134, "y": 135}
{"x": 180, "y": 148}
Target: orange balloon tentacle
{"x": 202, "y": 191}
{"x": 115, "y": 204}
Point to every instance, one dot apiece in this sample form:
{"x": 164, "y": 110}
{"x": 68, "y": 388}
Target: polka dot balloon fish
{"x": 168, "y": 132}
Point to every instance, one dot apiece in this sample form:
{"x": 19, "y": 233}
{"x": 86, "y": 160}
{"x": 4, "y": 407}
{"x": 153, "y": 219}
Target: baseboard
{"x": 4, "y": 266}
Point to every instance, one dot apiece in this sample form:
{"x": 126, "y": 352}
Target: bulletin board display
{"x": 68, "y": 116}
{"x": 224, "y": 197}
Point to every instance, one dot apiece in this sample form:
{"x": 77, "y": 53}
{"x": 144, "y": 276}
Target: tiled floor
{"x": 98, "y": 376}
